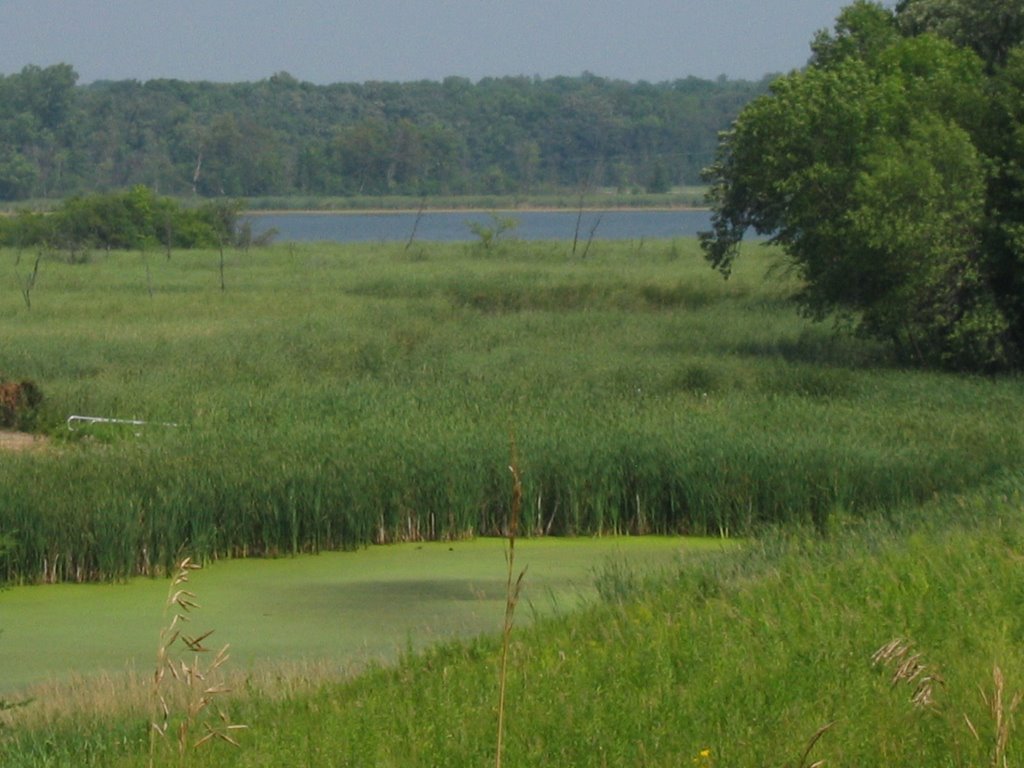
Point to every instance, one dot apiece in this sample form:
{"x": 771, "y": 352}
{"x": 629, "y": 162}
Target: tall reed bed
{"x": 336, "y": 396}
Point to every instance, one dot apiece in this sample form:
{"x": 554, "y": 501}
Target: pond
{"x": 454, "y": 226}
{"x": 343, "y": 607}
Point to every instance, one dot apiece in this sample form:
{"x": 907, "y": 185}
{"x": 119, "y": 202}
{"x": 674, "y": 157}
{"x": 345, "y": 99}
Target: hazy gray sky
{"x": 355, "y": 41}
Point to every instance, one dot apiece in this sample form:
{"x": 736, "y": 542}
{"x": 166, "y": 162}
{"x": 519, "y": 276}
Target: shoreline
{"x": 450, "y": 210}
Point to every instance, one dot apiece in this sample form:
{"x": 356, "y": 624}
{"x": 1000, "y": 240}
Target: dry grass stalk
{"x": 196, "y": 682}
{"x": 1002, "y": 717}
{"x": 512, "y": 590}
{"x": 909, "y": 668}
{"x": 810, "y": 746}
{"x": 120, "y": 696}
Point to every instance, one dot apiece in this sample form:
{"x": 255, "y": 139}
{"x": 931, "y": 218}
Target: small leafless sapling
{"x": 30, "y": 281}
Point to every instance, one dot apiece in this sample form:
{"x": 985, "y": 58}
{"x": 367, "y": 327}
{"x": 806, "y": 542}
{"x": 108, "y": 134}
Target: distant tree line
{"x": 281, "y": 136}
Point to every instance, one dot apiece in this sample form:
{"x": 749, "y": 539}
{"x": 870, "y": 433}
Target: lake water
{"x": 454, "y": 226}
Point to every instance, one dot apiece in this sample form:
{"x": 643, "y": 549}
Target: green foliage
{"x": 38, "y": 119}
{"x": 490, "y": 235}
{"x": 992, "y": 28}
{"x": 659, "y": 182}
{"x": 512, "y": 136}
{"x": 862, "y": 30}
{"x": 134, "y": 219}
{"x": 883, "y": 171}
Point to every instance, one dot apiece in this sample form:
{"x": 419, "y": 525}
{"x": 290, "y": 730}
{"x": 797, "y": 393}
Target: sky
{"x": 391, "y": 40}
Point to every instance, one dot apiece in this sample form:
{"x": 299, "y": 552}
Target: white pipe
{"x": 102, "y": 420}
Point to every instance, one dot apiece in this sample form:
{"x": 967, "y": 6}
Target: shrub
{"x": 136, "y": 218}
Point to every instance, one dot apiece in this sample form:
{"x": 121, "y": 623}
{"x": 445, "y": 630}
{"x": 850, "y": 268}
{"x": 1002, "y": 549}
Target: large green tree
{"x": 887, "y": 172}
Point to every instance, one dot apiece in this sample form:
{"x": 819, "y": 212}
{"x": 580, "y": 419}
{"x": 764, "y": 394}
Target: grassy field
{"x": 332, "y": 396}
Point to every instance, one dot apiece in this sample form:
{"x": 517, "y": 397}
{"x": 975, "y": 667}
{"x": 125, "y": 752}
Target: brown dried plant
{"x": 185, "y": 689}
{"x": 811, "y": 742}
{"x": 1002, "y": 712}
{"x": 908, "y": 668}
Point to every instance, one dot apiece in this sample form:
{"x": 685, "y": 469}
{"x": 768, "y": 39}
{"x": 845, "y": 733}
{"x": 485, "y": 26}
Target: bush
{"x": 136, "y": 218}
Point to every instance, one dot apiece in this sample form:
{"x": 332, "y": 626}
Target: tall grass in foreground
{"x": 180, "y": 675}
{"x": 335, "y": 396}
{"x": 513, "y": 588}
{"x": 759, "y": 658}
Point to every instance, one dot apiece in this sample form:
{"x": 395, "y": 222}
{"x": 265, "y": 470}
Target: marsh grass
{"x": 341, "y": 395}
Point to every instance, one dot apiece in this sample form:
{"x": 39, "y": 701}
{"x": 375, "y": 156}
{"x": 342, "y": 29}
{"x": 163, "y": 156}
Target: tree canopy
{"x": 889, "y": 171}
{"x": 281, "y": 136}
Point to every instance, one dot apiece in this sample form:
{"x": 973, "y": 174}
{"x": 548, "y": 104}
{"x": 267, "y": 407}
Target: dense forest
{"x": 281, "y": 136}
